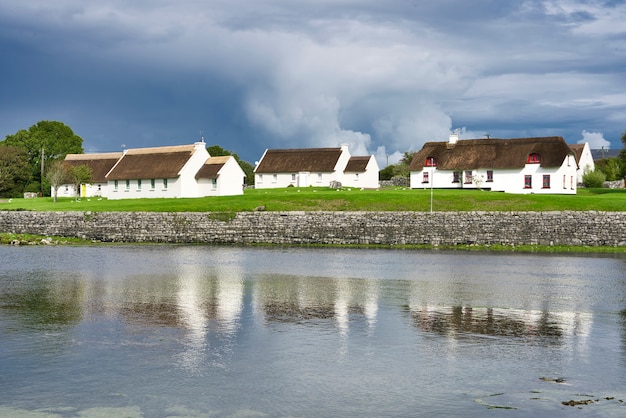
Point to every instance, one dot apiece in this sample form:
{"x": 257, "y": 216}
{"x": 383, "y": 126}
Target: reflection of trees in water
{"x": 464, "y": 320}
{"x": 45, "y": 300}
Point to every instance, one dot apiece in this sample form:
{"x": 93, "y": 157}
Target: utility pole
{"x": 432, "y": 175}
{"x": 42, "y": 167}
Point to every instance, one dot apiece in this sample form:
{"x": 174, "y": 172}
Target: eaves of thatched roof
{"x": 321, "y": 160}
{"x": 472, "y": 154}
{"x": 357, "y": 164}
{"x": 158, "y": 162}
{"x": 100, "y": 164}
{"x": 212, "y": 167}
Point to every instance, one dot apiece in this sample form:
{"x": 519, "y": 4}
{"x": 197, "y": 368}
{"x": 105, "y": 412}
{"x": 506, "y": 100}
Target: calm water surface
{"x": 179, "y": 331}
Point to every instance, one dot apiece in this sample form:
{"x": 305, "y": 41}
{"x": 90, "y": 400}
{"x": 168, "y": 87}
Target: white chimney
{"x": 454, "y": 138}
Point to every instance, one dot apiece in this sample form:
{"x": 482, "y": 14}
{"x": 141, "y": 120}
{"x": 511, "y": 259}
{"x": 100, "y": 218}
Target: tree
{"x": 57, "y": 175}
{"x": 14, "y": 171}
{"x": 79, "y": 174}
{"x": 610, "y": 167}
{"x": 248, "y": 168}
{"x": 48, "y": 139}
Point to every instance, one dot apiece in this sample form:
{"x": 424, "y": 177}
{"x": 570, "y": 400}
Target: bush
{"x": 594, "y": 179}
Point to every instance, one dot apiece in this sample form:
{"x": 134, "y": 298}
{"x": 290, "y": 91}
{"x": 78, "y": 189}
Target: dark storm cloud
{"x": 382, "y": 76}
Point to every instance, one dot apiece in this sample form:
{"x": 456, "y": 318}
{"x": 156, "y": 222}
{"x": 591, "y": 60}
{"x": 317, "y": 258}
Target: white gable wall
{"x": 366, "y": 180}
{"x": 342, "y": 163}
{"x": 585, "y": 164}
{"x": 229, "y": 181}
{"x": 187, "y": 175}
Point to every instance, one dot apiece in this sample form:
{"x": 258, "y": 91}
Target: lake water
{"x": 203, "y": 331}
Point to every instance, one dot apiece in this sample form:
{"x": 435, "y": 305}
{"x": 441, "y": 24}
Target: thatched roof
{"x": 100, "y": 164}
{"x": 295, "y": 160}
{"x": 357, "y": 164}
{"x": 578, "y": 151}
{"x": 146, "y": 163}
{"x": 471, "y": 154}
{"x": 212, "y": 167}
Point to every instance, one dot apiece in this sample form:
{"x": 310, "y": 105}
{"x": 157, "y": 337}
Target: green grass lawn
{"x": 325, "y": 199}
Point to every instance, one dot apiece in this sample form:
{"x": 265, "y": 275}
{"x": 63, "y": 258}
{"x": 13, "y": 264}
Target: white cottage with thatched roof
{"x": 174, "y": 171}
{"x": 304, "y": 167}
{"x": 522, "y": 165}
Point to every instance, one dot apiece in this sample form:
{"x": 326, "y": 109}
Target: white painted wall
{"x": 367, "y": 180}
{"x": 297, "y": 179}
{"x": 187, "y": 175}
{"x": 91, "y": 190}
{"x": 229, "y": 182}
{"x": 133, "y": 191}
{"x": 563, "y": 179}
{"x": 585, "y": 164}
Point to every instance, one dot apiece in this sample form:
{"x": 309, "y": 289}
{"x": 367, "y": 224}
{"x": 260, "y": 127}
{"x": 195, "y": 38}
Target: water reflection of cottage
{"x": 334, "y": 302}
{"x": 465, "y": 321}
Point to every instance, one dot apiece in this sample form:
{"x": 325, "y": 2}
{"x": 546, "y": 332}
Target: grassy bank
{"x": 318, "y": 199}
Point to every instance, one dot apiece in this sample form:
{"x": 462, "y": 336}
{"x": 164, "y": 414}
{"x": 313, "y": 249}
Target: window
{"x": 165, "y": 184}
{"x": 127, "y": 184}
{"x": 425, "y": 177}
{"x": 489, "y": 176}
{"x": 319, "y": 177}
{"x": 571, "y": 182}
{"x": 293, "y": 177}
{"x": 456, "y": 177}
{"x": 546, "y": 181}
{"x": 99, "y": 187}
{"x": 533, "y": 159}
{"x": 356, "y": 176}
{"x": 152, "y": 184}
{"x": 528, "y": 181}
{"x": 115, "y": 184}
{"x": 213, "y": 184}
{"x": 564, "y": 181}
{"x": 468, "y": 177}
{"x": 139, "y": 184}
{"x": 67, "y": 188}
{"x": 260, "y": 178}
{"x": 430, "y": 162}
{"x": 274, "y": 178}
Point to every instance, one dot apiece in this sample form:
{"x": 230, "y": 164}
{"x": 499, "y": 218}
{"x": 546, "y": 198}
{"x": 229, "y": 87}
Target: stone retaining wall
{"x": 387, "y": 228}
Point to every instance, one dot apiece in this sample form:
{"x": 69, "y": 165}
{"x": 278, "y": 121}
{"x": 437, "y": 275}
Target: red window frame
{"x": 546, "y": 181}
{"x": 490, "y": 176}
{"x": 430, "y": 162}
{"x": 528, "y": 181}
{"x": 533, "y": 158}
{"x": 425, "y": 177}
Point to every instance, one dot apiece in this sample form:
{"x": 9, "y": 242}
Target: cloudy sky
{"x": 382, "y": 76}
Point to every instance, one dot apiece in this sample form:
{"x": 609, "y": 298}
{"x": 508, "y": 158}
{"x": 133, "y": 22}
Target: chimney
{"x": 454, "y": 138}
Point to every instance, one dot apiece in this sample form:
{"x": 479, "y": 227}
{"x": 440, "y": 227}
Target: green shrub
{"x": 594, "y": 179}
